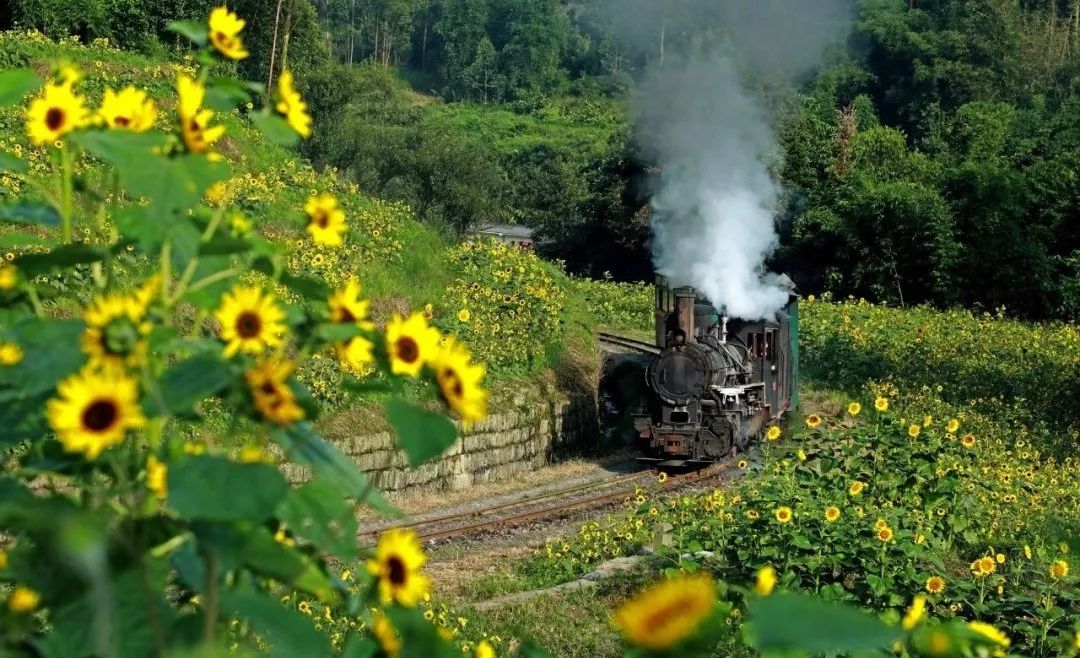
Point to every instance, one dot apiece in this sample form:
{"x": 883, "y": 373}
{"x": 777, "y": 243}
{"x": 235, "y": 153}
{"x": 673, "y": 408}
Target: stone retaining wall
{"x": 501, "y": 446}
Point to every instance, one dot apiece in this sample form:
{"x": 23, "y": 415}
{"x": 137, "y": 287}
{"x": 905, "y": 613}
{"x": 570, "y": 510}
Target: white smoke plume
{"x": 715, "y": 204}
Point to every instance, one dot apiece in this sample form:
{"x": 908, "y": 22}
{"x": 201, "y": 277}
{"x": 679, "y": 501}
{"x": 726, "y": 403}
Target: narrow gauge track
{"x": 628, "y": 343}
{"x": 432, "y": 529}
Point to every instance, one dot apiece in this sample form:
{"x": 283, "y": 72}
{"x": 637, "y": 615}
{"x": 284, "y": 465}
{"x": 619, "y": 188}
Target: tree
{"x": 484, "y": 80}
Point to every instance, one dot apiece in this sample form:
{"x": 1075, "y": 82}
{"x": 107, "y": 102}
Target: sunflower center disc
{"x": 54, "y": 118}
{"x": 248, "y": 325}
{"x": 397, "y": 570}
{"x": 100, "y": 415}
{"x": 407, "y": 350}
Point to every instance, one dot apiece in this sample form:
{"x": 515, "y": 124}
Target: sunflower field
{"x": 135, "y": 296}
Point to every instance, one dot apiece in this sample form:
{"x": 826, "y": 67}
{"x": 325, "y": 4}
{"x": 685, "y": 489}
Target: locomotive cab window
{"x": 771, "y": 342}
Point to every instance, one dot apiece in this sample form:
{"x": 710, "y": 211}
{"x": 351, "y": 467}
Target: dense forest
{"x": 935, "y": 156}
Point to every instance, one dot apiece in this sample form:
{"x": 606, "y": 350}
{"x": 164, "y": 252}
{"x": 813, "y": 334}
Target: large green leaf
{"x": 789, "y": 622}
{"x": 9, "y": 162}
{"x": 185, "y": 384}
{"x": 422, "y": 434}
{"x": 289, "y": 633}
{"x": 224, "y": 94}
{"x": 194, "y": 31}
{"x": 16, "y": 84}
{"x": 317, "y": 511}
{"x": 276, "y": 129}
{"x": 215, "y": 489}
{"x": 302, "y": 445}
{"x": 271, "y": 558}
{"x": 59, "y": 258}
{"x": 51, "y": 352}
{"x": 29, "y": 212}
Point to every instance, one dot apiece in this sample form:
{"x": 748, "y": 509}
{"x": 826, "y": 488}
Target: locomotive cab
{"x": 717, "y": 383}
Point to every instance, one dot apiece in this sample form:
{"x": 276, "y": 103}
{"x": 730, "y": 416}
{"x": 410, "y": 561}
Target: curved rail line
{"x": 629, "y": 343}
{"x": 528, "y": 516}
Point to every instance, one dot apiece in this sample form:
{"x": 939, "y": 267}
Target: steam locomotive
{"x": 715, "y": 384}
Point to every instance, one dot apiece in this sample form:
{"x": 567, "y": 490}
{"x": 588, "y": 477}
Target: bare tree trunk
{"x": 663, "y": 31}
{"x": 352, "y": 31}
{"x": 273, "y": 47}
{"x": 423, "y": 44}
{"x": 288, "y": 33}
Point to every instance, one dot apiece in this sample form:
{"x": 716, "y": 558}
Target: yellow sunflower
{"x": 783, "y": 514}
{"x": 984, "y": 566}
{"x": 765, "y": 581}
{"x": 9, "y": 276}
{"x": 968, "y": 441}
{"x": 914, "y": 613}
{"x": 854, "y": 408}
{"x": 856, "y": 488}
{"x": 989, "y": 632}
{"x": 881, "y": 404}
{"x": 667, "y": 613}
{"x": 773, "y": 433}
{"x": 194, "y": 120}
{"x": 115, "y": 331}
{"x": 813, "y": 420}
{"x": 952, "y": 426}
{"x": 23, "y": 600}
{"x": 129, "y": 109}
{"x": 94, "y": 410}
{"x": 57, "y": 112}
{"x": 460, "y": 381}
{"x": 410, "y": 343}
{"x": 347, "y": 307}
{"x": 10, "y": 354}
{"x": 291, "y": 106}
{"x": 935, "y": 584}
{"x": 484, "y": 650}
{"x": 385, "y": 635}
{"x": 832, "y": 514}
{"x": 463, "y": 315}
{"x": 396, "y": 567}
{"x": 250, "y": 321}
{"x": 914, "y": 431}
{"x": 270, "y": 392}
{"x": 885, "y": 534}
{"x": 326, "y": 220}
{"x": 156, "y": 477}
{"x": 1059, "y": 569}
{"x": 880, "y": 523}
{"x": 225, "y": 27}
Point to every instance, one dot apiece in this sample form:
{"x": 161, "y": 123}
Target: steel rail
{"x": 630, "y": 343}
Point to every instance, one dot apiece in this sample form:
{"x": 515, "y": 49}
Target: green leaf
{"x": 273, "y": 559}
{"x": 60, "y": 258}
{"x": 16, "y": 84}
{"x": 9, "y": 162}
{"x": 21, "y": 239}
{"x": 224, "y": 94}
{"x": 51, "y": 352}
{"x": 193, "y": 31}
{"x": 338, "y": 332}
{"x": 29, "y": 212}
{"x": 216, "y": 489}
{"x": 318, "y": 512}
{"x": 790, "y": 622}
{"x": 118, "y": 146}
{"x": 310, "y": 288}
{"x": 276, "y": 129}
{"x": 224, "y": 245}
{"x": 185, "y": 384}
{"x": 302, "y": 445}
{"x": 422, "y": 434}
{"x": 359, "y": 646}
{"x": 288, "y": 632}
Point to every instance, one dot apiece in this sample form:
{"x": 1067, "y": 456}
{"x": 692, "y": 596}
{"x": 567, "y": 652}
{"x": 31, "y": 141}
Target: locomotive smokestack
{"x": 685, "y": 298}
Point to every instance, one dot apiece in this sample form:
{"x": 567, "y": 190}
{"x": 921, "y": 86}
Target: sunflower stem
{"x": 66, "y": 187}
{"x": 166, "y": 271}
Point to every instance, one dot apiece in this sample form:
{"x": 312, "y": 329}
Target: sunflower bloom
{"x": 57, "y": 112}
{"x": 885, "y": 534}
{"x": 463, "y": 315}
{"x": 832, "y": 514}
{"x": 856, "y": 488}
{"x": 667, "y": 613}
{"x": 914, "y": 431}
{"x": 270, "y": 391}
{"x": 10, "y": 354}
{"x": 914, "y": 613}
{"x": 952, "y": 426}
{"x": 813, "y": 420}
{"x": 968, "y": 441}
{"x": 1059, "y": 569}
{"x": 411, "y": 343}
{"x": 984, "y": 566}
{"x": 854, "y": 408}
{"x": 484, "y": 650}
{"x": 116, "y": 330}
{"x": 989, "y": 632}
{"x": 460, "y": 381}
{"x": 935, "y": 584}
{"x": 385, "y": 635}
{"x": 156, "y": 477}
{"x": 225, "y": 28}
{"x": 250, "y": 321}
{"x": 396, "y": 566}
{"x": 773, "y": 433}
{"x": 783, "y": 514}
{"x": 23, "y": 600}
{"x": 9, "y": 276}
{"x": 881, "y": 404}
{"x": 347, "y": 307}
{"x": 326, "y": 220}
{"x": 129, "y": 109}
{"x": 194, "y": 119}
{"x": 291, "y": 106}
{"x": 94, "y": 410}
{"x": 765, "y": 581}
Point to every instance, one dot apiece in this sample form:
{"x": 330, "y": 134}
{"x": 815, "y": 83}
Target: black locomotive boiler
{"x": 717, "y": 383}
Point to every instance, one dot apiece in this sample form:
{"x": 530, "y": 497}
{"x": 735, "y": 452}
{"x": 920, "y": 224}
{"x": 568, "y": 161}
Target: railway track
{"x": 628, "y": 343}
{"x": 526, "y": 511}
